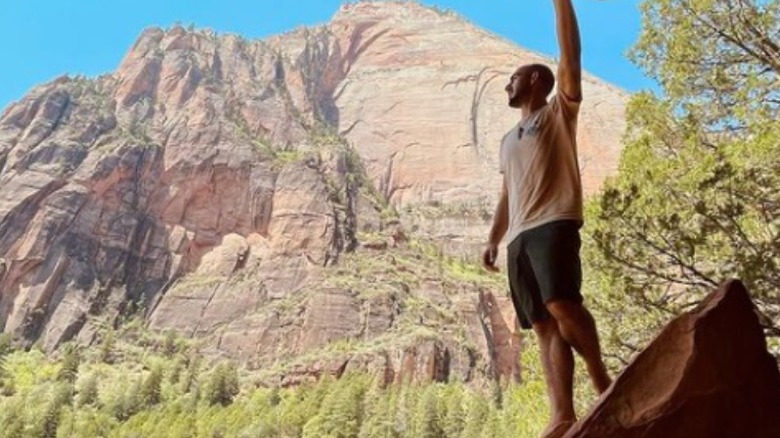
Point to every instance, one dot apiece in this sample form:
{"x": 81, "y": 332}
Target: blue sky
{"x": 40, "y": 40}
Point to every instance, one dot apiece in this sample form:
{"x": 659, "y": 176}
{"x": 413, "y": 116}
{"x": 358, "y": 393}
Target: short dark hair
{"x": 546, "y": 77}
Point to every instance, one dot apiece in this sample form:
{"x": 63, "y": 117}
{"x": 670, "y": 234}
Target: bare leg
{"x": 558, "y": 364}
{"x": 578, "y": 329}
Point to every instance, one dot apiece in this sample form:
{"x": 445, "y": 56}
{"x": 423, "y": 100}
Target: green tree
{"x": 71, "y": 358}
{"x": 87, "y": 393}
{"x": 719, "y": 59}
{"x": 695, "y": 201}
{"x": 151, "y": 387}
{"x": 170, "y": 344}
{"x": 6, "y": 347}
{"x": 107, "y": 347}
{"x": 222, "y": 385}
{"x": 426, "y": 419}
{"x": 405, "y": 402}
{"x": 341, "y": 410}
{"x": 478, "y": 409}
{"x": 296, "y": 408}
{"x": 6, "y": 344}
{"x": 494, "y": 426}
{"x": 454, "y": 420}
{"x": 378, "y": 421}
{"x": 125, "y": 402}
{"x": 61, "y": 397}
{"x": 190, "y": 381}
{"x": 12, "y": 418}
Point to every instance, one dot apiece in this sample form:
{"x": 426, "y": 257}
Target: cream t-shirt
{"x": 539, "y": 161}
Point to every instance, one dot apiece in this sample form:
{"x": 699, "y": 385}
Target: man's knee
{"x": 546, "y": 328}
{"x": 565, "y": 310}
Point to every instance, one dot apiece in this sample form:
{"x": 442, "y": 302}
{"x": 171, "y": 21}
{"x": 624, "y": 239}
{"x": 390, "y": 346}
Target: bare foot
{"x": 557, "y": 430}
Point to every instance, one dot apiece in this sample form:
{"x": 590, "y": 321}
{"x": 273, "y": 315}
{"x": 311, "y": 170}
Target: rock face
{"x": 707, "y": 374}
{"x": 427, "y": 84}
{"x": 219, "y": 187}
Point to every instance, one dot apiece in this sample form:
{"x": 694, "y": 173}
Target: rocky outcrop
{"x": 215, "y": 185}
{"x": 707, "y": 374}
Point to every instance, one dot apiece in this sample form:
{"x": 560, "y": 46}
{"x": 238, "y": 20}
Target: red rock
{"x": 193, "y": 180}
{"x": 708, "y": 374}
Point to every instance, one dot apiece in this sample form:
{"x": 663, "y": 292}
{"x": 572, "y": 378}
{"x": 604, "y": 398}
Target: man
{"x": 540, "y": 212}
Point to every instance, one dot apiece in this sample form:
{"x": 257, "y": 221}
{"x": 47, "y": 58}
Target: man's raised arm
{"x": 569, "y": 68}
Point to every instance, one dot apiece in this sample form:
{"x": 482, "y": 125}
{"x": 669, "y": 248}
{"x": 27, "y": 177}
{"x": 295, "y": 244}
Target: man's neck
{"x": 532, "y": 105}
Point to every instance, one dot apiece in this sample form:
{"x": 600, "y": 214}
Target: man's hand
{"x": 489, "y": 257}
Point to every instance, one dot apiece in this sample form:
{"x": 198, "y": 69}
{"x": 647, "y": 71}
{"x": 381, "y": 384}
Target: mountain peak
{"x": 393, "y": 10}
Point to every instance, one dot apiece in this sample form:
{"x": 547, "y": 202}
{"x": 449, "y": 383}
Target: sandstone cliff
{"x": 295, "y": 202}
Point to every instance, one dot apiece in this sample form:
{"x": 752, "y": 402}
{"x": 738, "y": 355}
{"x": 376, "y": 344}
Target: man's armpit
{"x": 565, "y": 106}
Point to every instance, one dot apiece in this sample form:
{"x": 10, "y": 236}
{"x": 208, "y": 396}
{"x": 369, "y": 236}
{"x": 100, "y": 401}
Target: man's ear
{"x": 534, "y": 77}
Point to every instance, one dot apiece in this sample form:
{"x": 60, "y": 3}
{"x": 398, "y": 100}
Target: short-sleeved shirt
{"x": 539, "y": 161}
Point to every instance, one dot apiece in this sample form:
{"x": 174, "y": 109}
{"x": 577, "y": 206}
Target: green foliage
{"x": 427, "y": 421}
{"x": 70, "y": 364}
{"x": 379, "y": 415}
{"x": 6, "y": 344}
{"x": 152, "y": 386}
{"x": 695, "y": 202}
{"x": 61, "y": 397}
{"x": 223, "y": 385}
{"x": 107, "y": 346}
{"x": 12, "y": 418}
{"x": 454, "y": 416}
{"x": 340, "y": 412}
{"x": 189, "y": 382}
{"x": 6, "y": 347}
{"x": 171, "y": 345}
{"x": 122, "y": 400}
{"x": 87, "y": 390}
{"x": 718, "y": 59}
{"x": 477, "y": 410}
{"x": 29, "y": 369}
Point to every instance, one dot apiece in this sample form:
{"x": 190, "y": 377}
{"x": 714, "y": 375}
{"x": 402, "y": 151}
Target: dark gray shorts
{"x": 543, "y": 265}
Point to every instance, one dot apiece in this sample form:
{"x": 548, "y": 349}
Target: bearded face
{"x": 520, "y": 87}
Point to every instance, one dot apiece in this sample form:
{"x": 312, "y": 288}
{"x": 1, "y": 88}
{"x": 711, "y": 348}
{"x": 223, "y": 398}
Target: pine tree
{"x": 477, "y": 413}
{"x": 125, "y": 404}
{"x": 170, "y": 346}
{"x": 12, "y": 419}
{"x": 426, "y": 423}
{"x": 339, "y": 415}
{"x": 151, "y": 387}
{"x": 6, "y": 344}
{"x": 378, "y": 422}
{"x": 62, "y": 395}
{"x": 223, "y": 385}
{"x": 175, "y": 374}
{"x": 88, "y": 391}
{"x": 494, "y": 426}
{"x": 189, "y": 383}
{"x": 107, "y": 347}
{"x": 406, "y": 400}
{"x": 454, "y": 421}
{"x": 69, "y": 369}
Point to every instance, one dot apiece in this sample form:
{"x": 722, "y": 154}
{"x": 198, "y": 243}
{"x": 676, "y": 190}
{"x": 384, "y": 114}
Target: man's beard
{"x": 515, "y": 101}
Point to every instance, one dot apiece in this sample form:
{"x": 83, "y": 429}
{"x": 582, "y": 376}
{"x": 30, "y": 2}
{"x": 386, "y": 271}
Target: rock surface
{"x": 218, "y": 186}
{"x": 708, "y": 374}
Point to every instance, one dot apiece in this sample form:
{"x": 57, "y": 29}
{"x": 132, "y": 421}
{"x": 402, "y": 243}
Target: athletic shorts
{"x": 543, "y": 265}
